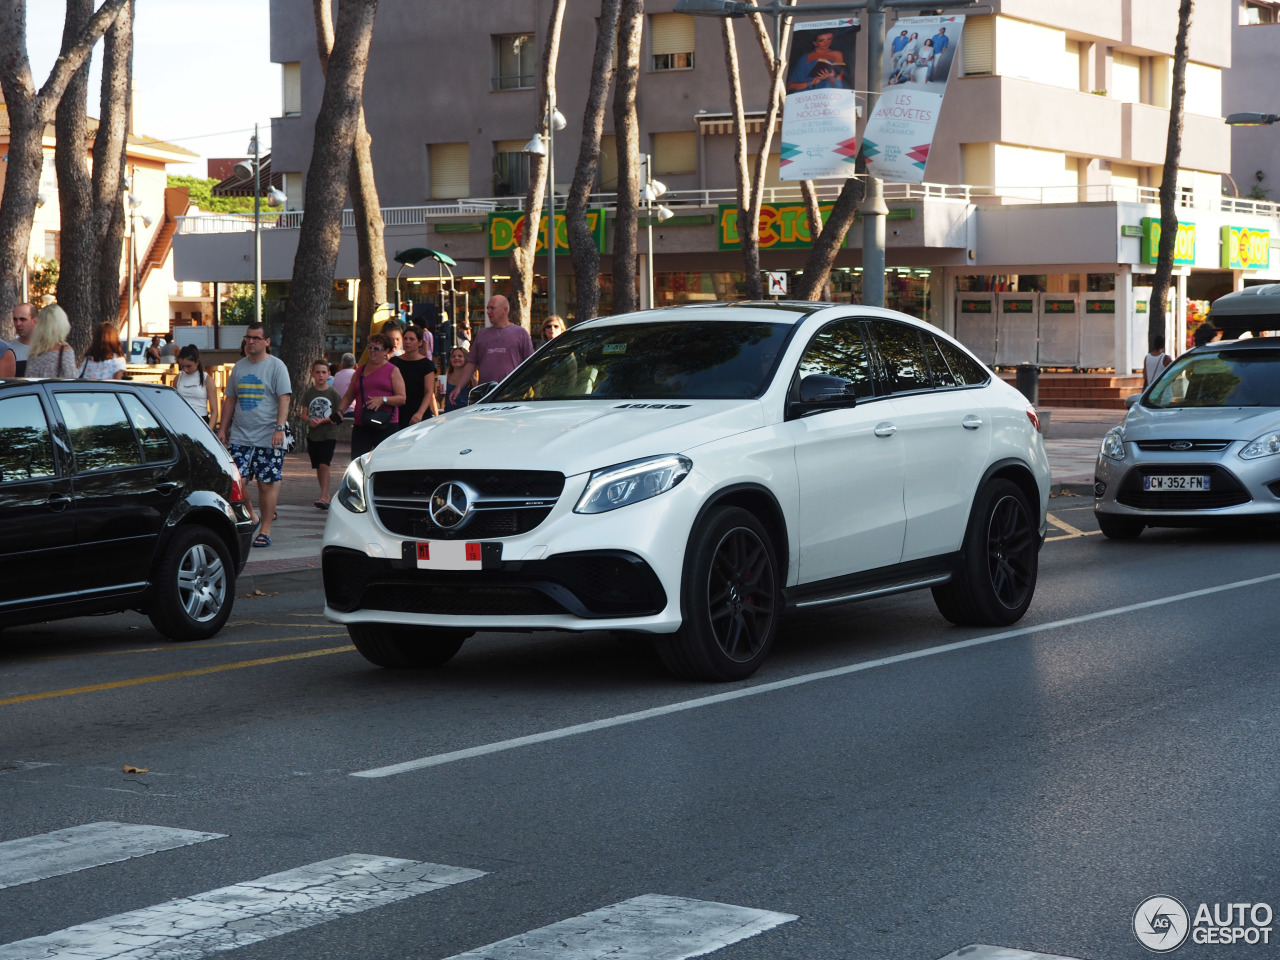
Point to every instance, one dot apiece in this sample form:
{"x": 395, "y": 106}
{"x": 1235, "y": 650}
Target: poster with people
{"x": 820, "y": 114}
{"x": 918, "y": 55}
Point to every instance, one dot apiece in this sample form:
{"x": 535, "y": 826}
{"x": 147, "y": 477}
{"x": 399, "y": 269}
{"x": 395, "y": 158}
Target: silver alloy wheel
{"x": 202, "y": 583}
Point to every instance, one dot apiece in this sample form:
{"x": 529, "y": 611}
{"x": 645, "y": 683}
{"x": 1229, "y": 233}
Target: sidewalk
{"x": 292, "y": 562}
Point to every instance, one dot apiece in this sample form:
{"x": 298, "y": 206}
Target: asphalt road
{"x": 887, "y": 786}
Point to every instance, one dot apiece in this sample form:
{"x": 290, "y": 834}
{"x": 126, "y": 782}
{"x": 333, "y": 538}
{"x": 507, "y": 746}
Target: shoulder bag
{"x": 373, "y": 418}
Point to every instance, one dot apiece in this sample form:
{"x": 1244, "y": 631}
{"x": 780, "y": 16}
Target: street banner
{"x": 820, "y": 113}
{"x": 918, "y": 54}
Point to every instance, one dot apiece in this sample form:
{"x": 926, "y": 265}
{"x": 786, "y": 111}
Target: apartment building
{"x": 1027, "y": 238}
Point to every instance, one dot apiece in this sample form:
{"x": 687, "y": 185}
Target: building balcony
{"x": 1206, "y": 141}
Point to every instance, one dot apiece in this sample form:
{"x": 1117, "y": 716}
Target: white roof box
{"x": 1253, "y": 309}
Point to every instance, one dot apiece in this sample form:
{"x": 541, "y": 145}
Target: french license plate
{"x": 1182, "y": 484}
{"x": 449, "y": 555}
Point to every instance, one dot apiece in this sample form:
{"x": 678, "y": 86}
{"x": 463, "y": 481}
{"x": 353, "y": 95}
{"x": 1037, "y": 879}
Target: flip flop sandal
{"x": 322, "y": 504}
{"x": 262, "y": 540}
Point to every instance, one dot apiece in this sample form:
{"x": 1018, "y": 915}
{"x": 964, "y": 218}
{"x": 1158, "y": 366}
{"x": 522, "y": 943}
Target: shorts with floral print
{"x": 264, "y": 464}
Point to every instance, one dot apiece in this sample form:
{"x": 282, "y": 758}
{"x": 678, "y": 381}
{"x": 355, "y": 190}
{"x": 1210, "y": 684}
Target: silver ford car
{"x": 1201, "y": 447}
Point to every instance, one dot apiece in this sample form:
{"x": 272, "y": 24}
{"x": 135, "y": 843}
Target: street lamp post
{"x": 555, "y": 121}
{"x": 873, "y": 208}
{"x": 653, "y": 190}
{"x": 275, "y": 198}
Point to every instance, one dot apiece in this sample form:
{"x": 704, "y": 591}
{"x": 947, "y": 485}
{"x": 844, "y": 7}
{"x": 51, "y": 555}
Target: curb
{"x": 252, "y": 583}
{"x": 1071, "y": 489}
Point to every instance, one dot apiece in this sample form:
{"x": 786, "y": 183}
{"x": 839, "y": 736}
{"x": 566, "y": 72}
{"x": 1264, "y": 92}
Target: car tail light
{"x": 237, "y": 485}
{"x": 1034, "y": 418}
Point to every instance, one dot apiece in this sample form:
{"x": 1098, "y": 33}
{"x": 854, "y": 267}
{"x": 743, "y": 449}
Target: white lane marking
{"x": 652, "y": 927}
{"x": 754, "y": 691}
{"x": 982, "y": 951}
{"x": 89, "y": 845}
{"x": 244, "y": 913}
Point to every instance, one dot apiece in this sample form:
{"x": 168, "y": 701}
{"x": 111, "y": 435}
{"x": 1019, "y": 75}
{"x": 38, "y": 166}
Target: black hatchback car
{"x": 116, "y": 496}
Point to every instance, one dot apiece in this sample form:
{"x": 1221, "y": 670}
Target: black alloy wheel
{"x": 730, "y": 601}
{"x": 996, "y": 578}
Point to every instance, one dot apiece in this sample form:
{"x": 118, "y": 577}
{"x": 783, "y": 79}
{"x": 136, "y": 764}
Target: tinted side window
{"x": 904, "y": 363}
{"x": 942, "y": 375}
{"x": 101, "y": 436}
{"x": 839, "y": 351}
{"x": 151, "y": 436}
{"x": 26, "y": 449}
{"x": 967, "y": 371}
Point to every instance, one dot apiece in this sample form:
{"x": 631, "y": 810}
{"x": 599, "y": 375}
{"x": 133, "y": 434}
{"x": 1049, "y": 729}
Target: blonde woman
{"x": 50, "y": 354}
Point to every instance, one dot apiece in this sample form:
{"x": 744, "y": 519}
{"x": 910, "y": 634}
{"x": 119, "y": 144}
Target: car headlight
{"x": 1267, "y": 445}
{"x": 627, "y": 483}
{"x": 351, "y": 493}
{"x": 1113, "y": 443}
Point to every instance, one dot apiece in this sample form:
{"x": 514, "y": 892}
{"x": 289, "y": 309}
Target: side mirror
{"x": 1130, "y": 400}
{"x": 478, "y": 393}
{"x": 820, "y": 386}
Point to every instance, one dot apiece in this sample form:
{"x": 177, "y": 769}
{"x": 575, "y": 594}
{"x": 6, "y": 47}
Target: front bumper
{"x": 572, "y": 572}
{"x": 1240, "y": 489}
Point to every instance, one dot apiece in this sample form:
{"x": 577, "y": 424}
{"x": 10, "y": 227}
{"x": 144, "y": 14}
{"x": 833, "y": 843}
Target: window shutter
{"x": 450, "y": 170}
{"x": 675, "y": 153}
{"x": 608, "y": 162}
{"x": 670, "y": 33}
{"x": 292, "y": 191}
{"x": 291, "y": 94}
{"x": 978, "y": 43}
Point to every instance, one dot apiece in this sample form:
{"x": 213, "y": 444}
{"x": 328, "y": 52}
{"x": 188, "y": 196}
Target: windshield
{"x": 666, "y": 360}
{"x": 1228, "y": 378}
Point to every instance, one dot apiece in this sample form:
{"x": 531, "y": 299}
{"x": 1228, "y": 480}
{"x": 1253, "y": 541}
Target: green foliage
{"x": 201, "y": 192}
{"x": 238, "y": 307}
{"x": 1258, "y": 191}
{"x": 43, "y": 277}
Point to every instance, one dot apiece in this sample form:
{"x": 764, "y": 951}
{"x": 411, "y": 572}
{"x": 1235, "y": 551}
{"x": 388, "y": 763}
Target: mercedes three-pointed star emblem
{"x": 451, "y": 504}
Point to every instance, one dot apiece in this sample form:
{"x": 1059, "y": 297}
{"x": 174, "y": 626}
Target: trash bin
{"x": 1028, "y": 382}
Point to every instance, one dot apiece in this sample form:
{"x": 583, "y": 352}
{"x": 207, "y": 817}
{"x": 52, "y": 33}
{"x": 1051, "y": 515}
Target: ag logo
{"x": 1161, "y": 924}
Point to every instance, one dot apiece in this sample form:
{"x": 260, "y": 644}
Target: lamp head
{"x": 558, "y": 122}
{"x": 147, "y": 221}
{"x": 664, "y": 213}
{"x": 134, "y": 202}
{"x": 275, "y": 198}
{"x": 243, "y": 170}
{"x": 659, "y": 188}
{"x": 536, "y": 146}
{"x": 1251, "y": 119}
{"x": 41, "y": 200}
{"x": 712, "y": 8}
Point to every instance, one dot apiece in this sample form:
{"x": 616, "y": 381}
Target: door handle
{"x": 58, "y": 502}
{"x": 971, "y": 422}
{"x": 167, "y": 487}
{"x": 885, "y": 430}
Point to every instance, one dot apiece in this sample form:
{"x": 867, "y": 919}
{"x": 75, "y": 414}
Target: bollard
{"x": 1028, "y": 382}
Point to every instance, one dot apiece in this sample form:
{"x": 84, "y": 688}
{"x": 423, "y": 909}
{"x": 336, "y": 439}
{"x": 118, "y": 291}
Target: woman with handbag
{"x": 50, "y": 355}
{"x": 379, "y": 389}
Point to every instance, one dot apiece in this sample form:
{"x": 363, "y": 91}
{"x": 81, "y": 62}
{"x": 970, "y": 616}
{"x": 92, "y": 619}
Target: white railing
{"x": 678, "y": 200}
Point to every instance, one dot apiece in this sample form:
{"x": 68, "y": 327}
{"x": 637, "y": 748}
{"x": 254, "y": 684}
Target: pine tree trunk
{"x": 582, "y": 243}
{"x": 78, "y": 259}
{"x": 822, "y": 255}
{"x": 116, "y": 104}
{"x": 522, "y": 265}
{"x": 29, "y": 112}
{"x": 1169, "y": 181}
{"x": 748, "y": 237}
{"x": 626, "y": 127}
{"x": 371, "y": 248}
{"x": 306, "y": 319}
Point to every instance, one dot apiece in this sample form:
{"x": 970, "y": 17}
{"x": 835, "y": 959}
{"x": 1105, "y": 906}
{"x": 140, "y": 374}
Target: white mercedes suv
{"x": 693, "y": 473}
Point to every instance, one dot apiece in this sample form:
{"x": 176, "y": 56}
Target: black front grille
{"x": 1224, "y": 489}
{"x": 1182, "y": 446}
{"x": 511, "y": 502}
{"x": 587, "y": 585}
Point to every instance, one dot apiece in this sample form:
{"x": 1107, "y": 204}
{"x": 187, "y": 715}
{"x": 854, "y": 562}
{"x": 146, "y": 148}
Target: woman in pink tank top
{"x": 377, "y": 386}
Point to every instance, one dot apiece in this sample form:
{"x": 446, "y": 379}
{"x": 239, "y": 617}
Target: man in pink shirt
{"x": 497, "y": 349}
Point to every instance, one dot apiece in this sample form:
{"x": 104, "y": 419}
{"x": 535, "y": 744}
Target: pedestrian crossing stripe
{"x": 651, "y": 927}
{"x": 244, "y": 913}
{"x": 983, "y": 951}
{"x": 88, "y": 845}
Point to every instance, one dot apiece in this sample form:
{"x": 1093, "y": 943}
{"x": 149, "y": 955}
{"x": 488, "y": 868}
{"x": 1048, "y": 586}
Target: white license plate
{"x": 1187, "y": 484}
{"x": 448, "y": 555}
